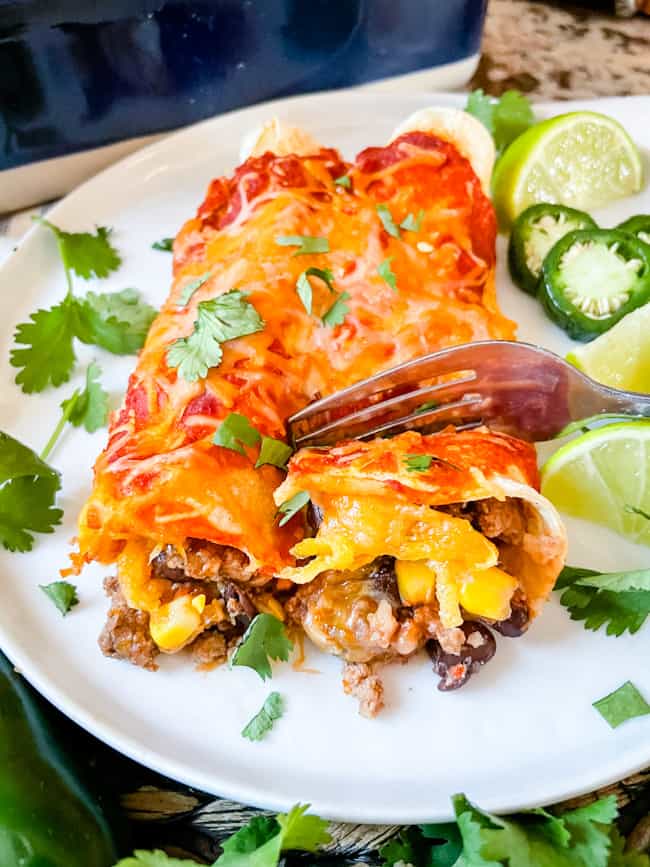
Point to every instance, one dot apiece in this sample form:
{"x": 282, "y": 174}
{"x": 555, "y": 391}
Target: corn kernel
{"x": 416, "y": 581}
{"x": 488, "y": 592}
{"x": 175, "y": 624}
{"x": 198, "y": 602}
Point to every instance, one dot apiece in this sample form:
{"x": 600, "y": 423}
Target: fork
{"x": 517, "y": 388}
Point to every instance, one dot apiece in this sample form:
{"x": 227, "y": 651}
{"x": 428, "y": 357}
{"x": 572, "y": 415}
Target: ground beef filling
{"x": 359, "y": 615}
{"x": 213, "y": 570}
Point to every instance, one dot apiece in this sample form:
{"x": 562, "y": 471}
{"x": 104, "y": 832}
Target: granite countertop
{"x": 560, "y": 51}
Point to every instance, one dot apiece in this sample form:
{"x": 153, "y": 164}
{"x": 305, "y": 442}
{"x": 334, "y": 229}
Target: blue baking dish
{"x": 77, "y": 75}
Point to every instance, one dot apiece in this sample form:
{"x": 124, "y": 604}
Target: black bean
{"x": 518, "y": 621}
{"x": 314, "y": 517}
{"x": 456, "y": 669}
{"x": 383, "y": 577}
{"x": 238, "y": 604}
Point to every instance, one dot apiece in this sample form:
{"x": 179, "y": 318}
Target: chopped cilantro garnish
{"x": 118, "y": 322}
{"x": 218, "y": 320}
{"x": 90, "y": 406}
{"x": 619, "y": 599}
{"x": 303, "y": 286}
{"x": 506, "y": 118}
{"x": 165, "y": 245}
{"x": 336, "y": 314}
{"x": 387, "y": 221}
{"x": 306, "y": 244}
{"x": 191, "y": 287}
{"x": 62, "y": 593}
{"x": 623, "y": 704}
{"x": 264, "y": 640}
{"x": 421, "y": 463}
{"x": 426, "y": 406}
{"x": 386, "y": 273}
{"x": 411, "y": 223}
{"x": 262, "y": 722}
{"x": 235, "y": 432}
{"x": 343, "y": 181}
{"x": 87, "y": 254}
{"x": 273, "y": 452}
{"x": 44, "y": 350}
{"x": 28, "y": 488}
{"x": 292, "y": 506}
{"x": 418, "y": 463}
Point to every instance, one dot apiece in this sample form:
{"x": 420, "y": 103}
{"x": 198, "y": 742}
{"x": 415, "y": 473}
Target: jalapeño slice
{"x": 592, "y": 278}
{"x": 639, "y": 226}
{"x": 534, "y": 232}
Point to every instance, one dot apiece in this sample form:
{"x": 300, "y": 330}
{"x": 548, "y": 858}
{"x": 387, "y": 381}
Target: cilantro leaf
{"x": 336, "y": 314}
{"x": 386, "y": 273}
{"x": 401, "y": 849}
{"x": 235, "y": 432}
{"x": 292, "y": 506}
{"x": 262, "y": 722}
{"x": 343, "y": 181}
{"x": 62, "y": 593}
{"x": 88, "y": 255}
{"x": 257, "y": 844}
{"x": 48, "y": 356}
{"x": 301, "y": 832}
{"x": 26, "y": 507}
{"x": 116, "y": 321}
{"x": 263, "y": 839}
{"x": 418, "y": 463}
{"x": 156, "y": 858}
{"x": 303, "y": 286}
{"x": 505, "y": 118}
{"x": 387, "y": 220}
{"x": 265, "y": 639}
{"x": 190, "y": 288}
{"x": 90, "y": 406}
{"x": 306, "y": 244}
{"x": 27, "y": 495}
{"x": 19, "y": 461}
{"x": 426, "y": 406}
{"x": 411, "y": 223}
{"x": 579, "y": 838}
{"x": 273, "y": 452}
{"x": 218, "y": 320}
{"x": 165, "y": 245}
{"x": 623, "y": 704}
{"x": 599, "y": 599}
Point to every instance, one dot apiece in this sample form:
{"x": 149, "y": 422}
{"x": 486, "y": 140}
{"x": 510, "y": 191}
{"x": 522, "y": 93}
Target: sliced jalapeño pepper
{"x": 592, "y": 278}
{"x": 639, "y": 226}
{"x": 534, "y": 232}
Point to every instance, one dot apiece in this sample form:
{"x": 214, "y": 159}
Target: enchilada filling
{"x": 439, "y": 560}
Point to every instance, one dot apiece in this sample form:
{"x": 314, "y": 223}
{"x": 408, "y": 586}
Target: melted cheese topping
{"x": 438, "y": 557}
{"x": 160, "y": 478}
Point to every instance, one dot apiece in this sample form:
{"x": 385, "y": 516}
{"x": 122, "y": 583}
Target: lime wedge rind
{"x": 580, "y": 159}
{"x": 601, "y": 474}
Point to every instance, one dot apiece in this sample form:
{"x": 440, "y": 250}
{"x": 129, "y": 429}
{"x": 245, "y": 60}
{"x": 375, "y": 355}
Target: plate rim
{"x": 137, "y": 750}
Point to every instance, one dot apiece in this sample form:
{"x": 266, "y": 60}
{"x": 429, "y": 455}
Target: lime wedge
{"x": 581, "y": 159}
{"x": 621, "y": 356}
{"x": 604, "y": 476}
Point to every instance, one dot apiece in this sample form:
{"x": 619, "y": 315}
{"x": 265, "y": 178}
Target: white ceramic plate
{"x": 521, "y": 733}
